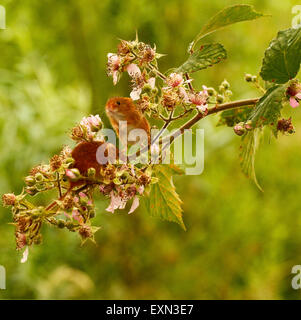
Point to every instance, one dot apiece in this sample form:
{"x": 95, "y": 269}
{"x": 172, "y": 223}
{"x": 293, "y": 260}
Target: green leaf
{"x": 248, "y": 149}
{"x": 283, "y": 56}
{"x": 268, "y": 108}
{"x": 163, "y": 201}
{"x": 206, "y": 56}
{"x": 225, "y": 17}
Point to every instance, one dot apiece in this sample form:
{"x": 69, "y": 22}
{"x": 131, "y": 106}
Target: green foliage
{"x": 225, "y": 17}
{"x": 253, "y": 239}
{"x": 247, "y": 154}
{"x": 234, "y": 116}
{"x": 282, "y": 58}
{"x": 163, "y": 201}
{"x": 206, "y": 56}
{"x": 267, "y": 109}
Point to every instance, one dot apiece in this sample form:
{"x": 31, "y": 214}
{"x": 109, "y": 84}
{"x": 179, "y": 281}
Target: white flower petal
{"x": 133, "y": 70}
{"x": 140, "y": 189}
{"x": 135, "y": 94}
{"x": 25, "y": 255}
{"x": 152, "y": 82}
{"x": 115, "y": 77}
{"x": 135, "y": 204}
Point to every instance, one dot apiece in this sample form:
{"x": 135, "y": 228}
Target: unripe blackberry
{"x": 147, "y": 88}
{"x": 61, "y": 223}
{"x": 155, "y": 90}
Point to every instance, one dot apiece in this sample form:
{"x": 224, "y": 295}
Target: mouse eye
{"x": 118, "y": 102}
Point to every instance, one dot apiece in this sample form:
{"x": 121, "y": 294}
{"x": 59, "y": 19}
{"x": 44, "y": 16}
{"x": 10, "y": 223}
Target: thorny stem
{"x": 59, "y": 184}
{"x": 196, "y": 118}
{"x": 189, "y": 83}
{"x": 166, "y": 124}
{"x": 182, "y": 114}
{"x": 216, "y": 109}
{"x": 154, "y": 69}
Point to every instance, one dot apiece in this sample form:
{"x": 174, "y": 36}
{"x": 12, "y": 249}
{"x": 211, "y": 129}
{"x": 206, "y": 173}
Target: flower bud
{"x": 239, "y": 129}
{"x": 221, "y": 89}
{"x": 91, "y": 173}
{"x": 70, "y": 225}
{"x": 30, "y": 181}
{"x": 9, "y": 199}
{"x": 32, "y": 191}
{"x": 248, "y": 77}
{"x": 248, "y": 125}
{"x": 83, "y": 198}
{"x": 228, "y": 93}
{"x": 154, "y": 90}
{"x": 73, "y": 174}
{"x": 39, "y": 177}
{"x": 226, "y": 84}
{"x": 147, "y": 88}
{"x": 211, "y": 92}
{"x": 40, "y": 186}
{"x": 254, "y": 78}
{"x": 69, "y": 161}
{"x": 219, "y": 98}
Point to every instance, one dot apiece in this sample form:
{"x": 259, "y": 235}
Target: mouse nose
{"x": 110, "y": 105}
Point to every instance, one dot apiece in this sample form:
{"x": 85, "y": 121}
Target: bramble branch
{"x": 214, "y": 110}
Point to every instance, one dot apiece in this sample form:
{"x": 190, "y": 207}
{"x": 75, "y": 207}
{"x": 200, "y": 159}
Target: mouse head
{"x": 119, "y": 104}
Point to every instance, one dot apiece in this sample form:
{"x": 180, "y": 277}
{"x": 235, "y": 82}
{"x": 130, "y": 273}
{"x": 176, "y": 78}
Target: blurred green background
{"x": 240, "y": 243}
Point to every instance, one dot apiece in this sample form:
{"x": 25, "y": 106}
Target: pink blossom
{"x": 77, "y": 216}
{"x": 294, "y": 93}
{"x": 183, "y": 94}
{"x": 92, "y": 123}
{"x": 70, "y": 174}
{"x": 136, "y": 92}
{"x": 203, "y": 109}
{"x": 114, "y": 63}
{"x": 199, "y": 99}
{"x": 295, "y": 100}
{"x": 135, "y": 204}
{"x": 140, "y": 189}
{"x": 175, "y": 80}
{"x": 133, "y": 70}
{"x": 82, "y": 195}
{"x": 152, "y": 82}
{"x": 116, "y": 202}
